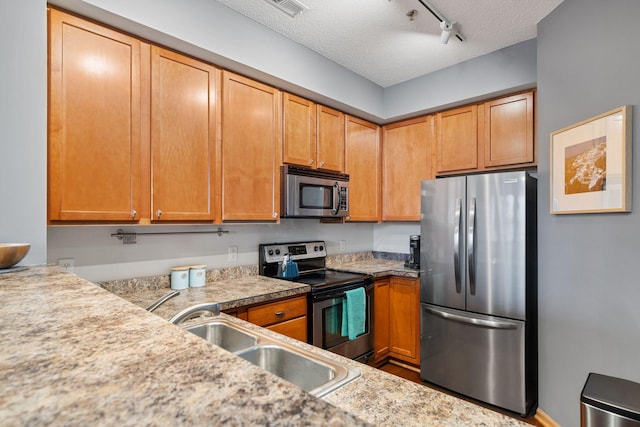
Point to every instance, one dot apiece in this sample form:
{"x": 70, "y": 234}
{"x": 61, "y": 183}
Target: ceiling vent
{"x": 290, "y": 7}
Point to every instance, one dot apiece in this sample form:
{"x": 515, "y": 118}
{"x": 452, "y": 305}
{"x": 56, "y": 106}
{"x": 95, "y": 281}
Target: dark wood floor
{"x": 414, "y": 376}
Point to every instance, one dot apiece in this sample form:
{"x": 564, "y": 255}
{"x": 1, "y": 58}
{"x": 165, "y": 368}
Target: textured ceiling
{"x": 376, "y": 39}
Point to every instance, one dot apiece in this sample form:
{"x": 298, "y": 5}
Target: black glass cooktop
{"x": 328, "y": 277}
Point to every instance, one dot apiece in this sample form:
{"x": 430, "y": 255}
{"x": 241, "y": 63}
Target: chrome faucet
{"x": 162, "y": 300}
{"x": 206, "y": 309}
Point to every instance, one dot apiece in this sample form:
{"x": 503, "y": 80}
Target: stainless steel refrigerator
{"x": 478, "y": 296}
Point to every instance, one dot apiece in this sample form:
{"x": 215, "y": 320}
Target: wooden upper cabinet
{"x": 362, "y": 163}
{"x": 457, "y": 143}
{"x": 406, "y": 160}
{"x": 299, "y": 130}
{"x": 184, "y": 116}
{"x": 94, "y": 122}
{"x": 251, "y": 140}
{"x": 330, "y": 139}
{"x": 508, "y": 130}
{"x": 313, "y": 135}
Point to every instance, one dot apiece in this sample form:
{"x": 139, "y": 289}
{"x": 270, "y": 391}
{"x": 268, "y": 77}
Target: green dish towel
{"x": 353, "y": 313}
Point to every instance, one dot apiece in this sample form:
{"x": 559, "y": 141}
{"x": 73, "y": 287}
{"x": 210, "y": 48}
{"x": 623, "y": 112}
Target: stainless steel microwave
{"x": 313, "y": 193}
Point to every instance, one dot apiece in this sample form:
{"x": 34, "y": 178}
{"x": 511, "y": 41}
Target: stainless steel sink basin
{"x": 314, "y": 373}
{"x": 223, "y": 335}
{"x": 305, "y": 372}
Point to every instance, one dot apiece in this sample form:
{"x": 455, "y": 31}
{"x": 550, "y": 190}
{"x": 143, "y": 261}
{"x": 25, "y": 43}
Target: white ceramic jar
{"x": 197, "y": 276}
{"x": 179, "y": 278}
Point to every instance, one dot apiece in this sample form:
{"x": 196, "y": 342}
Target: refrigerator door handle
{"x": 457, "y": 235}
{"x": 492, "y": 324}
{"x": 472, "y": 247}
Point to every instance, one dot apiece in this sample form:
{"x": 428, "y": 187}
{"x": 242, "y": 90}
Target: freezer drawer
{"x": 479, "y": 356}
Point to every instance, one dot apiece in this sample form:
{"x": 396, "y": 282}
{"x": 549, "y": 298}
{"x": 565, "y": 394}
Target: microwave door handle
{"x": 336, "y": 198}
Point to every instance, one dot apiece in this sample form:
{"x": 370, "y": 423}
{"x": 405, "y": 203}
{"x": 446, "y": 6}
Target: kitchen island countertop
{"x": 80, "y": 355}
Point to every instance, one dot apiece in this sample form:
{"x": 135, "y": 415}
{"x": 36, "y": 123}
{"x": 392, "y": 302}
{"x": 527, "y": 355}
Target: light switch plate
{"x": 233, "y": 254}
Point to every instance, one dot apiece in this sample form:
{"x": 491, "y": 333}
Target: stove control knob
{"x": 315, "y": 249}
{"x": 321, "y": 248}
{"x": 277, "y": 251}
{"x": 270, "y": 252}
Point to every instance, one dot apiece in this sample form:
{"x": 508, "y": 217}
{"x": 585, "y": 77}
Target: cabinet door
{"x": 299, "y": 131}
{"x": 330, "y": 141}
{"x": 295, "y": 328}
{"x": 251, "y": 136}
{"x": 406, "y": 161}
{"x": 184, "y": 172}
{"x": 381, "y": 320}
{"x": 508, "y": 130}
{"x": 457, "y": 145}
{"x": 404, "y": 308}
{"x": 362, "y": 163}
{"x": 94, "y": 122}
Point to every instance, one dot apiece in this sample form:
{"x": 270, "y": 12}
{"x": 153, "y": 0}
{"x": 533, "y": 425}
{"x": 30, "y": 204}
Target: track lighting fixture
{"x": 449, "y": 28}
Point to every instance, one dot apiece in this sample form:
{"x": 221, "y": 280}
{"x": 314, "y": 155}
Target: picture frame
{"x": 590, "y": 168}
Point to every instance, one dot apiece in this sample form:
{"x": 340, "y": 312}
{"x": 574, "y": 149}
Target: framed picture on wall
{"x": 591, "y": 165}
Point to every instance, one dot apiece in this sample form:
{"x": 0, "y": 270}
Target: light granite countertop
{"x": 77, "y": 354}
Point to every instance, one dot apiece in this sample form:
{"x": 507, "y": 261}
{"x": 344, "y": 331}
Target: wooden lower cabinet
{"x": 381, "y": 320}
{"x": 404, "y": 319}
{"x": 287, "y": 317}
{"x": 397, "y": 319}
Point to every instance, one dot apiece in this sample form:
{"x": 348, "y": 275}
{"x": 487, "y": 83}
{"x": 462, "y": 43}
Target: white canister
{"x": 197, "y": 276}
{"x": 179, "y": 278}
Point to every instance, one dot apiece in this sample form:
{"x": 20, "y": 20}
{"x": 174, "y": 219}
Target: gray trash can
{"x": 609, "y": 402}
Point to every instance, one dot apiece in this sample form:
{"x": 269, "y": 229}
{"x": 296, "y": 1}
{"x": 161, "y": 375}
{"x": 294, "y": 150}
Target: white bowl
{"x": 12, "y": 253}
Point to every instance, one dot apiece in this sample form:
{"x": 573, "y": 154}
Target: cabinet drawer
{"x": 278, "y": 311}
{"x": 296, "y": 328}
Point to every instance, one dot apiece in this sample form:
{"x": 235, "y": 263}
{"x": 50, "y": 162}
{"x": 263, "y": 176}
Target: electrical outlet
{"x": 343, "y": 246}
{"x": 67, "y": 263}
{"x": 233, "y": 254}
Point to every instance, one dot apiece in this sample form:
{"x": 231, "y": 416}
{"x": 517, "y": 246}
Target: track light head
{"x": 447, "y": 29}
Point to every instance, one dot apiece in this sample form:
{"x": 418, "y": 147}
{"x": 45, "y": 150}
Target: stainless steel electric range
{"x": 326, "y": 297}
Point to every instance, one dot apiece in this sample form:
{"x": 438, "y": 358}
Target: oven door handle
{"x": 340, "y": 294}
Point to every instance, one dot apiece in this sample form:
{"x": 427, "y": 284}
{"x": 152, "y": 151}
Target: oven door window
{"x": 332, "y": 324}
{"x": 316, "y": 196}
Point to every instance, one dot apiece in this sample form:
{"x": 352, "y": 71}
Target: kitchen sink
{"x": 306, "y": 372}
{"x": 223, "y": 335}
{"x": 314, "y": 373}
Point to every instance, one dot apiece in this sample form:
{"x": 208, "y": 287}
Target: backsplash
{"x": 163, "y": 281}
{"x": 219, "y": 274}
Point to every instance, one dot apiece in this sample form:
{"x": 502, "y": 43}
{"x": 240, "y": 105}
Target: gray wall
{"x": 497, "y": 73}
{"x": 589, "y": 319}
{"x": 23, "y": 113}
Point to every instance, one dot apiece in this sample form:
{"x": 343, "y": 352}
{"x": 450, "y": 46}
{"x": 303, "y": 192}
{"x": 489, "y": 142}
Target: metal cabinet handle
{"x": 321, "y": 164}
{"x": 134, "y": 213}
{"x": 279, "y": 313}
{"x": 158, "y": 213}
{"x": 275, "y": 214}
{"x": 311, "y": 161}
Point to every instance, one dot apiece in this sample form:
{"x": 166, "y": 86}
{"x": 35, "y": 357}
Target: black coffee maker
{"x": 414, "y": 253}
